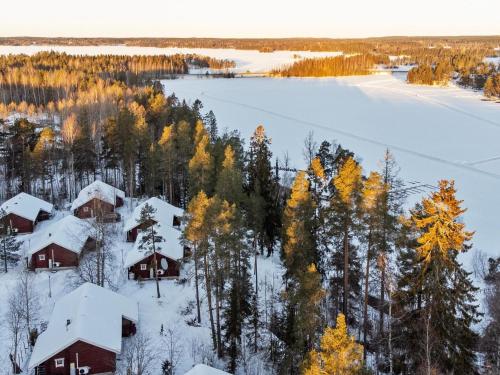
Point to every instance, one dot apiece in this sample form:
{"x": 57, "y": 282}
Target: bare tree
{"x": 173, "y": 350}
{"x": 30, "y": 306}
{"x": 139, "y": 356}
{"x": 16, "y": 323}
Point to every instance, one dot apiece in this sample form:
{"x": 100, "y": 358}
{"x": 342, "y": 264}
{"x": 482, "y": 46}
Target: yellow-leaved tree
{"x": 339, "y": 353}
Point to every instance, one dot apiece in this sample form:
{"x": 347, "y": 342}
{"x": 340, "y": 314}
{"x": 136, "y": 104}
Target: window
{"x": 59, "y": 362}
{"x": 144, "y": 267}
{"x": 85, "y": 209}
{"x": 41, "y": 257}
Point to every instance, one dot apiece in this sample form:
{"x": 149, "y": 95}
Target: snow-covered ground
{"x": 173, "y": 310}
{"x": 434, "y": 132}
{"x": 246, "y": 60}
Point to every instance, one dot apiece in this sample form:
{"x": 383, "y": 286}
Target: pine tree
{"x": 150, "y": 239}
{"x": 201, "y": 164}
{"x": 373, "y": 190}
{"x": 302, "y": 281}
{"x": 339, "y": 353}
{"x": 343, "y": 222}
{"x": 196, "y": 232}
{"x": 435, "y": 294}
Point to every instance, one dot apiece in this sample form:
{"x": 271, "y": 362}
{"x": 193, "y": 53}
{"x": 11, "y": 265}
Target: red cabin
{"x": 61, "y": 244}
{"x": 168, "y": 251}
{"x": 22, "y": 212}
{"x": 165, "y": 215}
{"x": 96, "y": 199}
{"x": 84, "y": 334}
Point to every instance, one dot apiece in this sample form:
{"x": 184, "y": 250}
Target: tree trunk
{"x": 208, "y": 288}
{"x": 365, "y": 305}
{"x": 197, "y": 285}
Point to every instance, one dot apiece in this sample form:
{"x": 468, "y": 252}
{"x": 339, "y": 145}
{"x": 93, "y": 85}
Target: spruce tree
{"x": 263, "y": 184}
{"x": 435, "y": 295}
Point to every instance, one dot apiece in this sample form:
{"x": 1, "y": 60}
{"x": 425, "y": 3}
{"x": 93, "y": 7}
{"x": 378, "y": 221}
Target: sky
{"x": 243, "y": 18}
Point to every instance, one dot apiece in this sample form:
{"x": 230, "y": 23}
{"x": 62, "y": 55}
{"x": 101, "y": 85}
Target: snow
{"x": 434, "y": 132}
{"x": 95, "y": 317}
{"x": 164, "y": 214}
{"x": 100, "y": 190}
{"x": 246, "y": 60}
{"x": 169, "y": 246}
{"x": 70, "y": 232}
{"x": 202, "y": 369}
{"x": 26, "y": 206}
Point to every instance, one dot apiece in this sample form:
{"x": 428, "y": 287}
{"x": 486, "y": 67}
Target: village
{"x": 94, "y": 324}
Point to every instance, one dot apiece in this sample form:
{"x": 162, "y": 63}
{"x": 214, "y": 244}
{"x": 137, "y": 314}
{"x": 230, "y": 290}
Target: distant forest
{"x": 332, "y": 66}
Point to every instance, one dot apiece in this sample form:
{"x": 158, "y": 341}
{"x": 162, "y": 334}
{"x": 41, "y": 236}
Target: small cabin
{"x": 60, "y": 245}
{"x": 85, "y": 333}
{"x": 22, "y": 212}
{"x": 165, "y": 215}
{"x": 168, "y": 253}
{"x": 98, "y": 199}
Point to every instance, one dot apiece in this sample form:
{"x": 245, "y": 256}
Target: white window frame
{"x": 144, "y": 267}
{"x": 85, "y": 209}
{"x": 59, "y": 362}
{"x": 41, "y": 257}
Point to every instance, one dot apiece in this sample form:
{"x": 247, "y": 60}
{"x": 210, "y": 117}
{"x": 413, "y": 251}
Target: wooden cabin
{"x": 85, "y": 332}
{"x": 98, "y": 199}
{"x": 165, "y": 215}
{"x": 169, "y": 253}
{"x": 60, "y": 245}
{"x": 22, "y": 212}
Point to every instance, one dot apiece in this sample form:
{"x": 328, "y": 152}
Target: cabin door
{"x": 151, "y": 273}
{"x": 72, "y": 369}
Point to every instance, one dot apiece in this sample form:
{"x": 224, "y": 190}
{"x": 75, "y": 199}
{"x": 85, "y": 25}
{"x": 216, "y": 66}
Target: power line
{"x": 422, "y": 155}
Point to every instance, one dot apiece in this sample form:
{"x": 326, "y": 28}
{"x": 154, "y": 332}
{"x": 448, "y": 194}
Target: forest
{"x": 332, "y": 66}
{"x": 368, "y": 286}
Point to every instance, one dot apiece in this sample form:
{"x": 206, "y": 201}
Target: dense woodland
{"x": 367, "y": 286}
{"x": 332, "y": 66}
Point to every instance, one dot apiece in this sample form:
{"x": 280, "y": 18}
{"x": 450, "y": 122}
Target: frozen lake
{"x": 435, "y": 133}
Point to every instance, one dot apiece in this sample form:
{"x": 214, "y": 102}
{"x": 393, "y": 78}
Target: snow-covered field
{"x": 434, "y": 132}
{"x": 171, "y": 310}
{"x": 246, "y": 60}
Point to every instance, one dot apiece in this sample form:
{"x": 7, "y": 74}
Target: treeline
{"x": 385, "y": 45}
{"x": 51, "y": 77}
{"x": 332, "y": 66}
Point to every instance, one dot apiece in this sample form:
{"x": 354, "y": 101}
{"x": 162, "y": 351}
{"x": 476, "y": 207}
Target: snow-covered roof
{"x": 164, "y": 214}
{"x": 169, "y": 246}
{"x": 100, "y": 190}
{"x": 70, "y": 232}
{"x": 26, "y": 206}
{"x": 95, "y": 317}
{"x": 205, "y": 370}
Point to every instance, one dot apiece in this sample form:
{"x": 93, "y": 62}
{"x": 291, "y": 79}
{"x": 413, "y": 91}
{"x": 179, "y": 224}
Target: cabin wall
{"x": 20, "y": 223}
{"x": 99, "y": 360}
{"x": 132, "y": 234}
{"x": 88, "y": 209}
{"x": 173, "y": 267}
{"x": 66, "y": 257}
